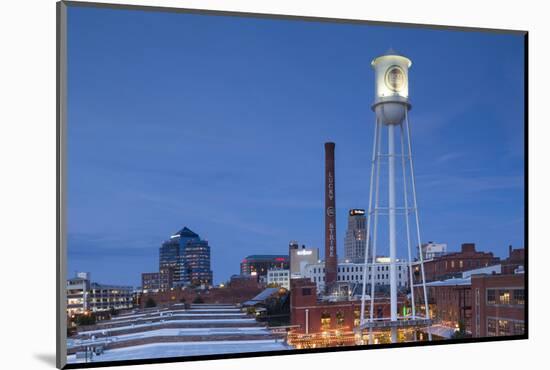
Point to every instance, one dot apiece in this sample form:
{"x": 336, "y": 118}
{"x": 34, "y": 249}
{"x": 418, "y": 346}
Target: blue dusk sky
{"x": 218, "y": 123}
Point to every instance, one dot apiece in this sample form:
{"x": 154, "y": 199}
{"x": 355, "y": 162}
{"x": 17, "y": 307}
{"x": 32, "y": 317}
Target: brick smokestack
{"x": 331, "y": 260}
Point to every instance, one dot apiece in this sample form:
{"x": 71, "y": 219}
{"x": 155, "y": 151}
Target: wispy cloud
{"x": 471, "y": 183}
{"x": 448, "y": 157}
{"x": 222, "y": 214}
{"x": 426, "y": 123}
{"x": 93, "y": 244}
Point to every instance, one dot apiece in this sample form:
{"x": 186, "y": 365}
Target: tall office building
{"x": 184, "y": 259}
{"x": 196, "y": 263}
{"x": 355, "y": 241}
{"x": 168, "y": 261}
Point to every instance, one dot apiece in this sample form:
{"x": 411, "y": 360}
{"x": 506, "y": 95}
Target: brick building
{"x": 515, "y": 260}
{"x": 240, "y": 289}
{"x": 450, "y": 301}
{"x": 489, "y": 301}
{"x": 498, "y": 305}
{"x": 313, "y": 316}
{"x": 244, "y": 282}
{"x": 452, "y": 264}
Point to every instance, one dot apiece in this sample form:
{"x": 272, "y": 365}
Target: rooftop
{"x": 451, "y": 282}
{"x": 265, "y": 294}
{"x": 265, "y": 256}
{"x": 186, "y": 233}
{"x": 110, "y": 286}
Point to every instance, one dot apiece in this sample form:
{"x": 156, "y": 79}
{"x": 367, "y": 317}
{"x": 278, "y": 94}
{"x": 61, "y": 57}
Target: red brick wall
{"x": 307, "y": 304}
{"x": 299, "y": 292}
{"x": 481, "y": 310}
{"x": 453, "y": 263}
{"x": 303, "y": 302}
{"x": 315, "y": 313}
{"x": 244, "y": 282}
{"x": 452, "y": 304}
{"x": 516, "y": 258}
{"x": 214, "y": 295}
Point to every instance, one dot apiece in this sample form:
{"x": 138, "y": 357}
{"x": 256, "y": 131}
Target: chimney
{"x": 331, "y": 260}
{"x": 468, "y": 248}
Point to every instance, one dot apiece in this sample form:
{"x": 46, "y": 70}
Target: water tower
{"x": 391, "y": 106}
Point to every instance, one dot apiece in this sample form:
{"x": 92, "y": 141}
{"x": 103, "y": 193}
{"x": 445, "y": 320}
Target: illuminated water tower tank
{"x": 391, "y": 79}
{"x": 391, "y": 106}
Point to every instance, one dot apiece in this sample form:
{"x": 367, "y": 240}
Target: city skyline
{"x": 186, "y": 138}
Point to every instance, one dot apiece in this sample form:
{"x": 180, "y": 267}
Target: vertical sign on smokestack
{"x": 330, "y": 218}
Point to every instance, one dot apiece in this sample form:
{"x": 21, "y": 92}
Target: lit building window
{"x": 357, "y": 318}
{"x": 503, "y": 327}
{"x": 325, "y": 321}
{"x": 340, "y": 318}
{"x": 504, "y": 297}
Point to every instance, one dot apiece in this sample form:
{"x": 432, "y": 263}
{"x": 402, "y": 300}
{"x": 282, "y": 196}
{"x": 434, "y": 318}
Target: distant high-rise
{"x": 184, "y": 259}
{"x": 196, "y": 263}
{"x": 168, "y": 261}
{"x": 355, "y": 241}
